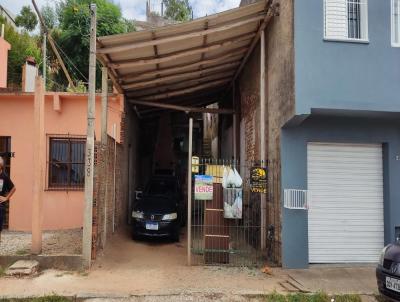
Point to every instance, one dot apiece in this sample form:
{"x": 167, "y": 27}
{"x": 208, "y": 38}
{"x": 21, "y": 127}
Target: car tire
{"x": 135, "y": 235}
{"x": 175, "y": 236}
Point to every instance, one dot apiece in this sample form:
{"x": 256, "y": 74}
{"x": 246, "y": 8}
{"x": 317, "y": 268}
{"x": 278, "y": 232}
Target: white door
{"x": 345, "y": 222}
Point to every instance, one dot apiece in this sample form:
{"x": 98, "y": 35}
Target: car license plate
{"x": 393, "y": 284}
{"x": 152, "y": 226}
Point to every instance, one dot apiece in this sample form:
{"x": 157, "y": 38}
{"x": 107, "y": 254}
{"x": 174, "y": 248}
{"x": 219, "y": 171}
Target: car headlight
{"x": 383, "y": 253}
{"x": 137, "y": 215}
{"x": 171, "y": 216}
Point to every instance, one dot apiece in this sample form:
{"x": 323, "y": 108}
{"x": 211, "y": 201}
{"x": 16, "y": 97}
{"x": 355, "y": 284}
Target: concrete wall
{"x": 4, "y": 48}
{"x": 61, "y": 209}
{"x": 294, "y": 172}
{"x": 342, "y": 75}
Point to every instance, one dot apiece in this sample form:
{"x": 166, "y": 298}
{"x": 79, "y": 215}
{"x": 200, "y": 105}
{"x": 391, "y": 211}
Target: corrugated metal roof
{"x": 187, "y": 59}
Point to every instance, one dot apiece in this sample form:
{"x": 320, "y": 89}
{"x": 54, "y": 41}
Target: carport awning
{"x": 187, "y": 63}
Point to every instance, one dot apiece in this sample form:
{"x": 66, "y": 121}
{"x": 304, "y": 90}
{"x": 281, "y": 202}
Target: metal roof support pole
{"x": 189, "y": 194}
{"x": 262, "y": 140}
{"x": 234, "y": 126}
{"x": 104, "y": 138}
{"x": 89, "y": 160}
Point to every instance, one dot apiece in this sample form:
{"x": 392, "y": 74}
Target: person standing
{"x": 7, "y": 189}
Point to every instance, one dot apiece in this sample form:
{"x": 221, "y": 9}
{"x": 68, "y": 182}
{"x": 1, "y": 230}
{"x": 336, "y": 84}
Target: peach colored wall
{"x": 62, "y": 209}
{"x": 4, "y": 48}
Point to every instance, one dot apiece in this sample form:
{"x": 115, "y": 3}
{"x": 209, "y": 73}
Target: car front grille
{"x": 153, "y": 217}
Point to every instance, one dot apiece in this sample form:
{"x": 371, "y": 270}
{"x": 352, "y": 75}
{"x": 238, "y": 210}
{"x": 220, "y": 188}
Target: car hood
{"x": 393, "y": 253}
{"x": 156, "y": 205}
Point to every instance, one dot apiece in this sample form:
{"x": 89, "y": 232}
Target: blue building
{"x": 340, "y": 149}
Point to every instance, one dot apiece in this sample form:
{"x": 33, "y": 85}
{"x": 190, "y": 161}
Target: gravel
{"x": 64, "y": 242}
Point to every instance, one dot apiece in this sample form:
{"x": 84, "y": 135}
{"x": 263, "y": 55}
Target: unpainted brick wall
{"x": 110, "y": 205}
{"x": 280, "y": 104}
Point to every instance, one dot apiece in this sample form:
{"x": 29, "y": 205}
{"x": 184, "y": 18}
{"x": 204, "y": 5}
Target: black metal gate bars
{"x": 229, "y": 220}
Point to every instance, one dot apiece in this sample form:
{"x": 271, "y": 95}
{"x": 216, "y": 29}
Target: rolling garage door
{"x": 345, "y": 222}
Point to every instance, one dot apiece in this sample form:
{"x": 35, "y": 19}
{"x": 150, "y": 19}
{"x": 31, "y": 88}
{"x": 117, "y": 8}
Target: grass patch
{"x": 318, "y": 297}
{"x": 21, "y": 252}
{"x": 40, "y": 299}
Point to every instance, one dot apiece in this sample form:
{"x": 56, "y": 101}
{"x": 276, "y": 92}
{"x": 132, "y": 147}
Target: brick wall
{"x": 279, "y": 108}
{"x": 109, "y": 209}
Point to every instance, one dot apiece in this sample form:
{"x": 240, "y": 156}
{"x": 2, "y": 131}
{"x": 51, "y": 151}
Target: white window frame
{"x": 364, "y": 24}
{"x": 393, "y": 25}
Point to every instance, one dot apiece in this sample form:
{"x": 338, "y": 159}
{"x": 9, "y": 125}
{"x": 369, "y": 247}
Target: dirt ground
{"x": 65, "y": 242}
{"x": 150, "y": 269}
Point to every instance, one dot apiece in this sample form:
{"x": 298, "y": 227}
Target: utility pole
{"x": 44, "y": 50}
{"x": 89, "y": 160}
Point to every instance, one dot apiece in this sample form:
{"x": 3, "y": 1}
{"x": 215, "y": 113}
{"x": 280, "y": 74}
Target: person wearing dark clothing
{"x": 7, "y": 189}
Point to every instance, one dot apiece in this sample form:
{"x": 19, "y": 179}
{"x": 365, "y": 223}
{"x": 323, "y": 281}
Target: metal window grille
{"x": 156, "y": 7}
{"x": 346, "y": 19}
{"x": 66, "y": 162}
{"x": 297, "y": 199}
{"x": 396, "y": 23}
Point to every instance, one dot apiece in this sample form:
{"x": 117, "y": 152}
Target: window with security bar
{"x": 346, "y": 20}
{"x": 396, "y": 23}
{"x": 66, "y": 163}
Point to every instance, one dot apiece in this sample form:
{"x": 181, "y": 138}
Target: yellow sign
{"x": 195, "y": 164}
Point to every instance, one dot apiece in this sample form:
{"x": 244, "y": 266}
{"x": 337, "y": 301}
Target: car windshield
{"x": 161, "y": 187}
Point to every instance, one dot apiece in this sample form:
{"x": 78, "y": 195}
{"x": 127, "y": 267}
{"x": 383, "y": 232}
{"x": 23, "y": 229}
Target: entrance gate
{"x": 226, "y": 214}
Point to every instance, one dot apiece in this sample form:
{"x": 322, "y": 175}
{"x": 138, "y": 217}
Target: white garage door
{"x": 345, "y": 222}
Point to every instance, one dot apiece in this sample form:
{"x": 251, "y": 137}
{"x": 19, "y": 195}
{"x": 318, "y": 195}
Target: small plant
{"x": 317, "y": 297}
{"x": 22, "y": 252}
{"x": 2, "y": 271}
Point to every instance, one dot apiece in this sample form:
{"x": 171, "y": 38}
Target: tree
{"x": 73, "y": 34}
{"x": 49, "y": 16}
{"x": 178, "y": 10}
{"x": 26, "y": 19}
{"x": 22, "y": 46}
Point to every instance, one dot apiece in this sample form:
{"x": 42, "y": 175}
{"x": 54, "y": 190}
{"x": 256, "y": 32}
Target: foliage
{"x": 178, "y": 10}
{"x": 318, "y": 297}
{"x": 49, "y": 16}
{"x": 26, "y": 19}
{"x": 22, "y": 46}
{"x": 130, "y": 25}
{"x": 74, "y": 32}
{"x": 53, "y": 298}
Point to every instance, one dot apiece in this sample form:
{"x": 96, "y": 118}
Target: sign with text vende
{"x": 203, "y": 187}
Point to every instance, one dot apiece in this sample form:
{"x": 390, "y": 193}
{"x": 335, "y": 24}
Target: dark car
{"x": 158, "y": 213}
{"x": 388, "y": 272}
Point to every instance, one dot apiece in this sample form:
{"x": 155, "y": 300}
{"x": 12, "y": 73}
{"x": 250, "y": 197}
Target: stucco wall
{"x": 294, "y": 172}
{"x": 61, "y": 209}
{"x": 342, "y": 75}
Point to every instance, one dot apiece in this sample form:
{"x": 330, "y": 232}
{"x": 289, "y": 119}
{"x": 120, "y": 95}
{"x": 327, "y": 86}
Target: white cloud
{"x": 136, "y": 9}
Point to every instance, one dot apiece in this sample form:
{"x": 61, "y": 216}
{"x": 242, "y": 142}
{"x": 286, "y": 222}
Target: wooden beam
{"x": 180, "y": 37}
{"x": 181, "y": 54}
{"x": 111, "y": 74}
{"x": 230, "y": 57}
{"x": 182, "y": 76}
{"x": 271, "y": 11}
{"x": 172, "y": 86}
{"x": 182, "y": 108}
{"x": 185, "y": 91}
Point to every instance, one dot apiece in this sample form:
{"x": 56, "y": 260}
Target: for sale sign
{"x": 203, "y": 187}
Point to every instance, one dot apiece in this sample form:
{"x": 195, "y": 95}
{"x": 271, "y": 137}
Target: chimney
{"x": 29, "y": 73}
{"x": 4, "y": 48}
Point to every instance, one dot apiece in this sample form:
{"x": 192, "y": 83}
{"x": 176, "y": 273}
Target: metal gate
{"x": 229, "y": 224}
{"x": 5, "y": 152}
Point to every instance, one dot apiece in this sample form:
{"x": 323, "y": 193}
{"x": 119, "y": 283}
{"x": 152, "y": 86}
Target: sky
{"x": 136, "y": 9}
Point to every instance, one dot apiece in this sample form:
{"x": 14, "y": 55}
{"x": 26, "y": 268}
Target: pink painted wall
{"x": 4, "y": 48}
{"x": 62, "y": 209}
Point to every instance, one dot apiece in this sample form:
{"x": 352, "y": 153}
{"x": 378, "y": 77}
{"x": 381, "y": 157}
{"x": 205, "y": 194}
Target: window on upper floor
{"x": 346, "y": 20}
{"x": 396, "y": 23}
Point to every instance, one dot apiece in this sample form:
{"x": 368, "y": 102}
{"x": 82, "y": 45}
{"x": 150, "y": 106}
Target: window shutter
{"x": 336, "y": 23}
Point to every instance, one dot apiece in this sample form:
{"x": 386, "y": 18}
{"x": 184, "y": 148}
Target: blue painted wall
{"x": 342, "y": 75}
{"x": 294, "y": 172}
